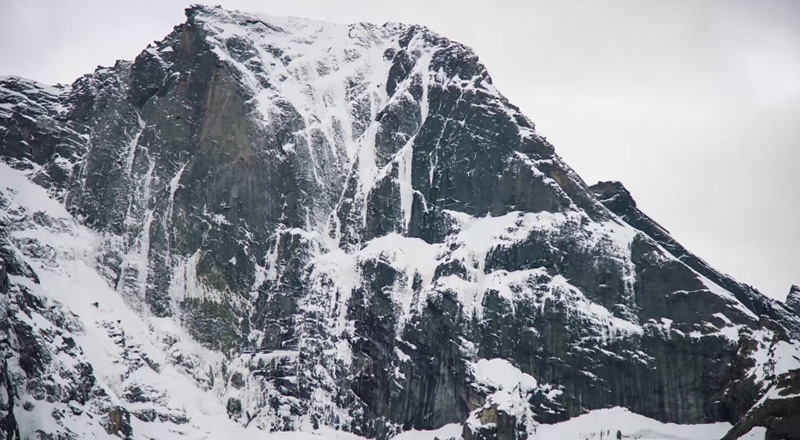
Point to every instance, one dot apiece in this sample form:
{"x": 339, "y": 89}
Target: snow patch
{"x": 604, "y": 424}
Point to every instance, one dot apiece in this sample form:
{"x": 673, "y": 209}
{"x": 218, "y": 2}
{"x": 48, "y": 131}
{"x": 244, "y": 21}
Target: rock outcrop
{"x": 8, "y": 422}
{"x": 778, "y": 411}
{"x": 793, "y": 299}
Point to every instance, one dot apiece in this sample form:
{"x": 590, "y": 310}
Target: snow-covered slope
{"x": 84, "y": 322}
{"x": 605, "y": 423}
{"x": 270, "y": 224}
{"x": 93, "y": 338}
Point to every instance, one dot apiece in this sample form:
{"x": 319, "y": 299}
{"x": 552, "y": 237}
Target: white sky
{"x": 694, "y": 105}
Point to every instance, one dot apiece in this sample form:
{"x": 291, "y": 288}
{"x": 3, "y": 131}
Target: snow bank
{"x": 604, "y": 424}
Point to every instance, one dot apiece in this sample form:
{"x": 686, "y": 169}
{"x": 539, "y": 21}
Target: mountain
{"x": 275, "y": 224}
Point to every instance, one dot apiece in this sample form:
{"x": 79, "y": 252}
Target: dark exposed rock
{"x": 793, "y": 299}
{"x": 146, "y": 415}
{"x": 617, "y": 199}
{"x": 4, "y": 282}
{"x": 779, "y": 413}
{"x": 118, "y": 423}
{"x": 8, "y": 422}
{"x": 234, "y": 407}
{"x": 494, "y": 424}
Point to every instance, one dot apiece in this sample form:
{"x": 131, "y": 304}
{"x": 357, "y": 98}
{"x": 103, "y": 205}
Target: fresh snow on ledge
{"x": 757, "y": 433}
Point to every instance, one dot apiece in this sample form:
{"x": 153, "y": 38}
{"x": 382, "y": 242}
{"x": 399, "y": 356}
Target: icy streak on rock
{"x": 131, "y": 153}
{"x": 136, "y": 258}
{"x": 174, "y": 184}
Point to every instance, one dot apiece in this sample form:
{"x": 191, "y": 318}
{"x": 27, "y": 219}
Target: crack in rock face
{"x": 274, "y": 224}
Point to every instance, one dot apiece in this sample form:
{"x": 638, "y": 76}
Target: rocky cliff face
{"x": 346, "y": 227}
{"x": 793, "y": 299}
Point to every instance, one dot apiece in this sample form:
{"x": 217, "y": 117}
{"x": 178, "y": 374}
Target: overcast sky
{"x": 694, "y": 105}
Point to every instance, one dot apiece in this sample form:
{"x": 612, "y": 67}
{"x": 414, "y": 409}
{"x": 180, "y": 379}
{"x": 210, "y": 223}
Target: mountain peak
{"x": 613, "y": 193}
{"x": 616, "y": 197}
{"x": 303, "y": 30}
{"x": 793, "y": 299}
{"x": 285, "y": 23}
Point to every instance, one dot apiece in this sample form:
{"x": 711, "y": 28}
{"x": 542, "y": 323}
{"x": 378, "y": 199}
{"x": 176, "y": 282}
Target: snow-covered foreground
{"x": 604, "y": 424}
{"x": 595, "y": 425}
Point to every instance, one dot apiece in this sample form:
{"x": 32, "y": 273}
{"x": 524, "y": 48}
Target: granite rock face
{"x": 778, "y": 411}
{"x": 617, "y": 199}
{"x": 327, "y": 225}
{"x": 793, "y": 299}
